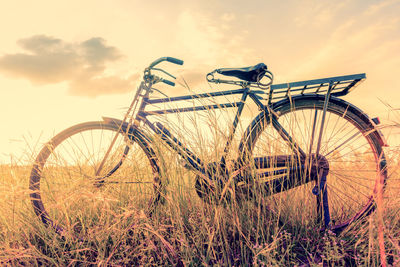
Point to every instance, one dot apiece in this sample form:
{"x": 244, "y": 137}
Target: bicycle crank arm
{"x": 277, "y": 161}
{"x": 287, "y": 179}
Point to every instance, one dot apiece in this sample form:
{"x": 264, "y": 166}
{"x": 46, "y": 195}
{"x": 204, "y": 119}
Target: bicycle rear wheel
{"x": 64, "y": 179}
{"x": 349, "y": 143}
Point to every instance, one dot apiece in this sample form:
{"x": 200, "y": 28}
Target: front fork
{"x": 99, "y": 181}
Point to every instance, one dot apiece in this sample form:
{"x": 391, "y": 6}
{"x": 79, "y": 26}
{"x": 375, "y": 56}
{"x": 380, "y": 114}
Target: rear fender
{"x": 264, "y": 118}
{"x": 382, "y": 140}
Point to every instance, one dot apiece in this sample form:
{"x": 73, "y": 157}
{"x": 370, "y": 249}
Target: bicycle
{"x": 306, "y": 145}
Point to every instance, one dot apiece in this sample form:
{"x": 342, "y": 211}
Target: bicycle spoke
{"x": 343, "y": 143}
{"x": 346, "y": 154}
{"x": 371, "y": 172}
{"x": 347, "y": 183}
{"x": 338, "y": 200}
{"x": 336, "y": 189}
{"x": 289, "y": 139}
{"x": 314, "y": 121}
{"x": 339, "y": 138}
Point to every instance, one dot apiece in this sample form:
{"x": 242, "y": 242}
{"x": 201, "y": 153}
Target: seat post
{"x": 234, "y": 125}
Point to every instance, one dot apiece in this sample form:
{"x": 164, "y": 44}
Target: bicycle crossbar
{"x": 188, "y": 109}
{"x": 195, "y": 96}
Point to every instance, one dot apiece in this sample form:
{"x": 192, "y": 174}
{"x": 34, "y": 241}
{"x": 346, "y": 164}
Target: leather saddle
{"x": 250, "y": 74}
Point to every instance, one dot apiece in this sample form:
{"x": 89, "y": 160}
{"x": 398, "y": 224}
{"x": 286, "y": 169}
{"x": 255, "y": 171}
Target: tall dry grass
{"x": 187, "y": 231}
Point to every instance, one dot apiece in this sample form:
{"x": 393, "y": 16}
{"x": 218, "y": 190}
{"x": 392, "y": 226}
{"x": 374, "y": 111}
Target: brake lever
{"x": 172, "y": 76}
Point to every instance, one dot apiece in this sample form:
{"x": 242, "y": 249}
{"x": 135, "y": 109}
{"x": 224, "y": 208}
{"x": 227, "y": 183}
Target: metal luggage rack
{"x": 340, "y": 86}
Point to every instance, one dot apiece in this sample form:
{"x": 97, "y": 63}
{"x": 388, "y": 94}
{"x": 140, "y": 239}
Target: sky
{"x": 65, "y": 62}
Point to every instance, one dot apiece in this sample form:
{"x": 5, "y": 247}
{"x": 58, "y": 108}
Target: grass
{"x": 186, "y": 231}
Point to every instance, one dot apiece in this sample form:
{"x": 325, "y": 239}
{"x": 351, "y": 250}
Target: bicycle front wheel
{"x": 350, "y": 145}
{"x": 75, "y": 189}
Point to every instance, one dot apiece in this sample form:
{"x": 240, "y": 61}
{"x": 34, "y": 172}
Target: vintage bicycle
{"x": 307, "y": 146}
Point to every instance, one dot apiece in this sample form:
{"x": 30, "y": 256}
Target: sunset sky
{"x": 64, "y": 62}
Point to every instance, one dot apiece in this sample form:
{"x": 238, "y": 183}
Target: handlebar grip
{"x": 168, "y": 82}
{"x": 175, "y": 60}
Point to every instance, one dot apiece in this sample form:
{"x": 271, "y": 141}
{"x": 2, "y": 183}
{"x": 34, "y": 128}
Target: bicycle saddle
{"x": 249, "y": 74}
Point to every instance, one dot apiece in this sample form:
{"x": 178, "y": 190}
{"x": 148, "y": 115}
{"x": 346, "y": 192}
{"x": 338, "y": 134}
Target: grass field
{"x": 183, "y": 230}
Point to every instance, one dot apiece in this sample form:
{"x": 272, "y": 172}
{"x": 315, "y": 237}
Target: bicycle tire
{"x": 351, "y": 144}
{"x": 64, "y": 193}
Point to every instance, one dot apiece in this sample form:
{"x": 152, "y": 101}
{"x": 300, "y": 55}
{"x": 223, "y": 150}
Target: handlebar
{"x": 168, "y": 82}
{"x": 169, "y": 59}
{"x": 147, "y": 71}
{"x": 175, "y": 60}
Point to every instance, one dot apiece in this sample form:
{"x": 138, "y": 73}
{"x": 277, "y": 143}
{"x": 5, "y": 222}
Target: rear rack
{"x": 341, "y": 85}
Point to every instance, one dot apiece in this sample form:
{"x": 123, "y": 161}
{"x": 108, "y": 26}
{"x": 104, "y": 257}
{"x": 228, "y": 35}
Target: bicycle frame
{"x": 193, "y": 160}
{"x": 195, "y": 163}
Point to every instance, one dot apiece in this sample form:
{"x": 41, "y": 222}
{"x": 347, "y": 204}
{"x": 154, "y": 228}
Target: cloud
{"x": 210, "y": 39}
{"x": 379, "y": 6}
{"x": 93, "y": 86}
{"x": 83, "y": 66}
{"x": 356, "y": 44}
{"x": 319, "y": 14}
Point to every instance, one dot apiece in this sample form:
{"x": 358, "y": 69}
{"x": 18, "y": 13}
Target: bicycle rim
{"x": 63, "y": 179}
